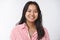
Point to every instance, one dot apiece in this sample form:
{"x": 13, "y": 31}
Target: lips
{"x": 31, "y": 17}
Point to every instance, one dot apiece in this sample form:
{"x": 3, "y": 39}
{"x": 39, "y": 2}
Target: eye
{"x": 36, "y": 11}
{"x": 28, "y": 11}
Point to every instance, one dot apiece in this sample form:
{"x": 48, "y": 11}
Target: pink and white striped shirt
{"x": 20, "y": 32}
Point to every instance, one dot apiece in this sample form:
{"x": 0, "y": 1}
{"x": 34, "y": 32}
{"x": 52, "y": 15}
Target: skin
{"x": 31, "y": 15}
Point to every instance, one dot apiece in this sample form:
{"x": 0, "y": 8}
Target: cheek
{"x": 26, "y": 15}
{"x": 36, "y": 15}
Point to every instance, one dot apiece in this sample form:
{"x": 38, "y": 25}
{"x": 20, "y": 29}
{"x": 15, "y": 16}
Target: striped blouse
{"x": 20, "y": 32}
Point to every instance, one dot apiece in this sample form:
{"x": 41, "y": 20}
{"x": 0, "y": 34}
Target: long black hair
{"x": 38, "y": 22}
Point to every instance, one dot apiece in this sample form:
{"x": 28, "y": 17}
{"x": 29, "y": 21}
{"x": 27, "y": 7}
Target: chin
{"x": 31, "y": 20}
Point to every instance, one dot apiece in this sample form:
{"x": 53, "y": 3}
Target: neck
{"x": 30, "y": 24}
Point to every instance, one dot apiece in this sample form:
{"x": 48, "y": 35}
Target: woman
{"x": 30, "y": 26}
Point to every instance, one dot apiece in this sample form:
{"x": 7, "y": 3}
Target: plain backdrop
{"x": 11, "y": 12}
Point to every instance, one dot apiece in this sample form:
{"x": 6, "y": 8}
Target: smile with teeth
{"x": 31, "y": 17}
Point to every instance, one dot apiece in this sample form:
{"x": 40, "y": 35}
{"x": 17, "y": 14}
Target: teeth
{"x": 31, "y": 17}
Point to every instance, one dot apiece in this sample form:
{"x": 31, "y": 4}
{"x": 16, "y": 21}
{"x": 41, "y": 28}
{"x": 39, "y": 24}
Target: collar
{"x": 23, "y": 26}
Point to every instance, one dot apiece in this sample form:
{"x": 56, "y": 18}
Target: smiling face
{"x": 31, "y": 13}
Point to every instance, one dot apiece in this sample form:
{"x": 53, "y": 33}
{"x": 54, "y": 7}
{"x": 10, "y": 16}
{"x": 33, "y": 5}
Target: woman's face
{"x": 32, "y": 13}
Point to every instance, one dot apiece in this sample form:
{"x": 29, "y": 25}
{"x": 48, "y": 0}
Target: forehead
{"x": 32, "y": 6}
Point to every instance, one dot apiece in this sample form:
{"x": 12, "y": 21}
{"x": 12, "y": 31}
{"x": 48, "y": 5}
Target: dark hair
{"x": 38, "y": 22}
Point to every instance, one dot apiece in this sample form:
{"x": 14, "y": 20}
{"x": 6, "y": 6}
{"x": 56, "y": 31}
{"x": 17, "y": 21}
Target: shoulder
{"x": 46, "y": 36}
{"x": 45, "y": 29}
{"x": 16, "y": 31}
{"x": 18, "y": 27}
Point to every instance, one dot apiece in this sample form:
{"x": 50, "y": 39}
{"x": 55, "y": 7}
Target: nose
{"x": 32, "y": 13}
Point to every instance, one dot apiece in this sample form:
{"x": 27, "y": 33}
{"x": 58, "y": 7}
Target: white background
{"x": 11, "y": 12}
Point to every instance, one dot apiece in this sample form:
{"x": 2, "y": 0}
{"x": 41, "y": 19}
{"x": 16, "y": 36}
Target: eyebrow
{"x": 34, "y": 9}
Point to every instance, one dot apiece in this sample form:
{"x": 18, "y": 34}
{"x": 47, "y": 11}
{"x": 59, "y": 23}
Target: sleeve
{"x": 46, "y": 35}
{"x": 15, "y": 35}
